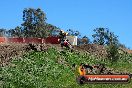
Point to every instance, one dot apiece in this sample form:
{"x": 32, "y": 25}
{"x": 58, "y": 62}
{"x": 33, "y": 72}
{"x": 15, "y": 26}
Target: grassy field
{"x": 53, "y": 69}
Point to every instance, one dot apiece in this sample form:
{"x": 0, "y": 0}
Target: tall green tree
{"x": 35, "y": 23}
{"x": 103, "y": 36}
{"x": 99, "y": 36}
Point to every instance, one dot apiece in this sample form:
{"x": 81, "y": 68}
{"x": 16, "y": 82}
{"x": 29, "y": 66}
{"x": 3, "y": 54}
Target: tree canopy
{"x": 103, "y": 36}
{"x": 34, "y": 25}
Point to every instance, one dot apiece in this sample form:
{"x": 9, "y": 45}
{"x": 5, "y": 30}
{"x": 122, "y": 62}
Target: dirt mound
{"x": 8, "y": 51}
{"x": 94, "y": 49}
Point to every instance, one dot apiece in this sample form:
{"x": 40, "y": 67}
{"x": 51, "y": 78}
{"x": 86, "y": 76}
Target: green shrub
{"x": 112, "y": 53}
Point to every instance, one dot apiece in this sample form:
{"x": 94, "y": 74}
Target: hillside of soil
{"x": 44, "y": 67}
{"x": 8, "y": 51}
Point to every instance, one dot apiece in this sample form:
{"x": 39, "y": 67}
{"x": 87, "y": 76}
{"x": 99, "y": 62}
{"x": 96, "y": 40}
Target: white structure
{"x": 72, "y": 39}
